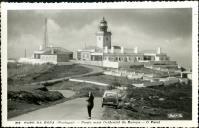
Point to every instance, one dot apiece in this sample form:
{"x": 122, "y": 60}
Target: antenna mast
{"x": 25, "y": 53}
{"x": 46, "y": 34}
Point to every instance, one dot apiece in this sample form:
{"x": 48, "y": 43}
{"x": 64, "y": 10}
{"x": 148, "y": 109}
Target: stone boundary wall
{"x": 33, "y": 61}
{"x": 95, "y": 63}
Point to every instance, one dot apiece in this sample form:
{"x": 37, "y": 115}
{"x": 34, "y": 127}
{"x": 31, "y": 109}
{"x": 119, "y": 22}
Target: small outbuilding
{"x": 53, "y": 55}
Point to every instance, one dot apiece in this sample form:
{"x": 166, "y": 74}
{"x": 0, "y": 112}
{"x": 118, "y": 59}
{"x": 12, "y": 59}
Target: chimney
{"x": 105, "y": 49}
{"x": 122, "y": 49}
{"x": 136, "y": 50}
{"x": 158, "y": 50}
{"x": 40, "y": 47}
{"x": 112, "y": 49}
{"x": 52, "y": 50}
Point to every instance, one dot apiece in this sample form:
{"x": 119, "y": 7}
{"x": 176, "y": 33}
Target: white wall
{"x": 100, "y": 41}
{"x": 110, "y": 64}
{"x": 107, "y": 40}
{"x": 95, "y": 63}
{"x": 85, "y": 56}
{"x": 33, "y": 61}
{"x": 125, "y": 64}
{"x": 103, "y": 39}
{"x": 189, "y": 76}
{"x": 49, "y": 58}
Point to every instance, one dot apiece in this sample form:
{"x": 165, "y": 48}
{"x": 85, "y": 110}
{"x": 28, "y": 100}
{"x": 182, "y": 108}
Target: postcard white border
{"x": 113, "y": 5}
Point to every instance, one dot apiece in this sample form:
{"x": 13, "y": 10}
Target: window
{"x": 119, "y": 59}
{"x": 70, "y": 56}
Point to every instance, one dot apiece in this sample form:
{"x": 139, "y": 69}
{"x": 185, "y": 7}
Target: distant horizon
{"x": 147, "y": 29}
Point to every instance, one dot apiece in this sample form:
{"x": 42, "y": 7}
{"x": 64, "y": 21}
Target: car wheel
{"x": 116, "y": 107}
{"x": 102, "y": 105}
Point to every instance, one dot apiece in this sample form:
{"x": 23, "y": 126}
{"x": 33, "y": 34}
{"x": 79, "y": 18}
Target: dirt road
{"x": 69, "y": 110}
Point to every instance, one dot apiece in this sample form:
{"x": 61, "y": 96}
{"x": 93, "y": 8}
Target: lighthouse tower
{"x": 103, "y": 36}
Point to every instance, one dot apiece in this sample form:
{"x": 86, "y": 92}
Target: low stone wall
{"x": 111, "y": 73}
{"x": 33, "y": 61}
{"x": 124, "y": 73}
{"x": 65, "y": 63}
{"x": 167, "y": 62}
{"x": 110, "y": 64}
{"x": 95, "y": 63}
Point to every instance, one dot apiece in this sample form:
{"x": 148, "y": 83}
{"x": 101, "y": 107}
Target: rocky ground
{"x": 154, "y": 103}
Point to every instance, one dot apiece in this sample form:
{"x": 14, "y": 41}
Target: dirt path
{"x": 69, "y": 110}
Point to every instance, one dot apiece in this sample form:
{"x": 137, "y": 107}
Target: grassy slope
{"x": 26, "y": 73}
{"x": 110, "y": 79}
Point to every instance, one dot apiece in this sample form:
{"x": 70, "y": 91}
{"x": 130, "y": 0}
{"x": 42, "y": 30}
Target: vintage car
{"x": 110, "y": 98}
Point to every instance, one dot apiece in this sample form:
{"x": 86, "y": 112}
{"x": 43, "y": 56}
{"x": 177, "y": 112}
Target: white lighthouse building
{"x": 107, "y": 55}
{"x": 103, "y": 36}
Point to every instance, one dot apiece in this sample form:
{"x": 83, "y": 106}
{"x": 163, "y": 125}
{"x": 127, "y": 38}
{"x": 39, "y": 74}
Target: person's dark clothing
{"x": 90, "y": 104}
{"x": 89, "y": 110}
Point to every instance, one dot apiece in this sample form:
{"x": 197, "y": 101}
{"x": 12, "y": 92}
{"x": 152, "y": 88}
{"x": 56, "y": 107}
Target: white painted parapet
{"x": 158, "y": 50}
{"x": 112, "y": 49}
{"x": 40, "y": 47}
{"x": 110, "y": 64}
{"x": 105, "y": 49}
{"x": 122, "y": 49}
{"x": 136, "y": 50}
{"x": 34, "y": 61}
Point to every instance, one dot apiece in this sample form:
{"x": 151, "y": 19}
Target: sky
{"x": 147, "y": 29}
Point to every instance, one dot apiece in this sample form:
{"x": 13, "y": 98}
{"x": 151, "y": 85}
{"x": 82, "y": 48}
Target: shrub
{"x": 116, "y": 84}
{"x": 110, "y": 87}
{"x": 35, "y": 96}
{"x": 136, "y": 66}
{"x": 138, "y": 93}
{"x": 51, "y": 83}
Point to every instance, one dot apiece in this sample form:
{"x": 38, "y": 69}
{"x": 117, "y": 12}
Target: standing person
{"x": 90, "y": 103}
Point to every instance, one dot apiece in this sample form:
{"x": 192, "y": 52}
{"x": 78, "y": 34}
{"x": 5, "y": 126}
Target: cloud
{"x": 74, "y": 39}
{"x": 16, "y": 47}
{"x": 170, "y": 29}
{"x": 53, "y": 26}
